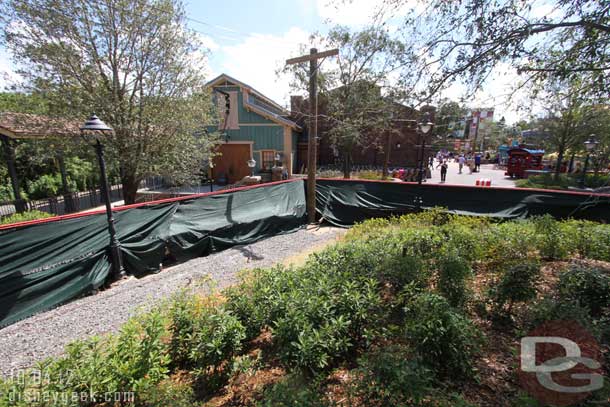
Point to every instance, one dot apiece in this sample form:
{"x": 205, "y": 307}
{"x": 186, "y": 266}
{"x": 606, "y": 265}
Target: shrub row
{"x": 404, "y": 281}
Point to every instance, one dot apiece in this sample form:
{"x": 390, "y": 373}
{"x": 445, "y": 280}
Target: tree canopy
{"x": 134, "y": 63}
{"x": 466, "y": 40}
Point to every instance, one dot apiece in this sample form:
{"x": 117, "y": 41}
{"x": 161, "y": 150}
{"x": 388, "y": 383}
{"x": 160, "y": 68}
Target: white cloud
{"x": 256, "y": 59}
{"x": 207, "y": 42}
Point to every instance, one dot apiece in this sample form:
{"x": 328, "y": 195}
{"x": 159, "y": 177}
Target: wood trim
{"x": 288, "y": 149}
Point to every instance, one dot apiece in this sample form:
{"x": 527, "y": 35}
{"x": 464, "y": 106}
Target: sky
{"x": 250, "y": 40}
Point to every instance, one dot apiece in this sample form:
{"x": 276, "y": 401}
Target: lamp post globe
{"x": 251, "y": 164}
{"x": 423, "y": 128}
{"x": 91, "y": 131}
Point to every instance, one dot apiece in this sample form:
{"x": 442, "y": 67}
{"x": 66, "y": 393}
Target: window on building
{"x": 267, "y": 159}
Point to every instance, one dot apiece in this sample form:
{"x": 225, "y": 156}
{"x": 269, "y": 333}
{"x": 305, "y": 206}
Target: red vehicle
{"x": 521, "y": 159}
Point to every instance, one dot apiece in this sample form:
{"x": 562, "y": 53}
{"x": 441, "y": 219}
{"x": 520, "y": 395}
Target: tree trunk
{"x": 571, "y": 165}
{"x": 559, "y": 161}
{"x": 130, "y": 188}
{"x": 347, "y": 165}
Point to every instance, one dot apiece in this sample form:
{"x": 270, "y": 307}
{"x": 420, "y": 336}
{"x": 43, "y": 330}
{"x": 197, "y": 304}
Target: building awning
{"x": 25, "y": 125}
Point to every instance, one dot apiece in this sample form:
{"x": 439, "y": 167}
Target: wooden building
{"x": 256, "y": 127}
{"x": 401, "y": 142}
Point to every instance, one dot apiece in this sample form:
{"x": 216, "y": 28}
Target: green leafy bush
{"x": 563, "y": 181}
{"x": 389, "y": 377}
{"x": 23, "y": 217}
{"x": 202, "y": 335}
{"x": 588, "y": 286}
{"x": 507, "y": 242}
{"x": 454, "y": 273}
{"x": 517, "y": 283}
{"x": 368, "y": 174}
{"x": 48, "y": 185}
{"x": 552, "y": 309}
{"x": 324, "y": 318}
{"x": 598, "y": 237}
{"x": 6, "y": 192}
{"x": 131, "y": 361}
{"x": 552, "y": 243}
{"x": 293, "y": 391}
{"x": 447, "y": 341}
{"x": 260, "y": 297}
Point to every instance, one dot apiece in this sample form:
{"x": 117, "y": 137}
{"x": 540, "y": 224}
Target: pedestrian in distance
{"x": 444, "y": 166}
{"x": 461, "y": 161}
{"x": 477, "y": 163}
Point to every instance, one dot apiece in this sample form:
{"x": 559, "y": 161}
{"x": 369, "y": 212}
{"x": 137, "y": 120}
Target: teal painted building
{"x": 255, "y": 127}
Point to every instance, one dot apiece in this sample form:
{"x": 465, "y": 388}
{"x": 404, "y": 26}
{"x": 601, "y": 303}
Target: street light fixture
{"x": 423, "y": 128}
{"x": 251, "y": 163}
{"x": 590, "y": 145}
{"x": 211, "y": 165}
{"x": 91, "y": 132}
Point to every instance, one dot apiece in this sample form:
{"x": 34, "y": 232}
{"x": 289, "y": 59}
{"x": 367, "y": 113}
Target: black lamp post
{"x": 590, "y": 145}
{"x": 91, "y": 132}
{"x": 423, "y": 128}
{"x": 211, "y": 179}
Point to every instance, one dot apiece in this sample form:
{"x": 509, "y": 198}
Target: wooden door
{"x": 232, "y": 162}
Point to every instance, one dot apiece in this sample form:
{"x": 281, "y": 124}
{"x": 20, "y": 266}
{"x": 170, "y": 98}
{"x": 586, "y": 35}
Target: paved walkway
{"x": 498, "y": 179}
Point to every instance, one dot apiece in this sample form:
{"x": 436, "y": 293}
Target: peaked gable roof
{"x": 273, "y": 111}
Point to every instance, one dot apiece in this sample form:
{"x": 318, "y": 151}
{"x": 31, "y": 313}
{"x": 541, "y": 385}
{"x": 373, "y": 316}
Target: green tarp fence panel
{"x": 46, "y": 264}
{"x": 345, "y": 202}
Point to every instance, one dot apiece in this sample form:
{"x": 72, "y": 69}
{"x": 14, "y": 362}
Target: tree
{"x": 596, "y": 125}
{"x": 564, "y": 118}
{"x": 356, "y": 91}
{"x": 465, "y": 40}
{"x": 134, "y": 63}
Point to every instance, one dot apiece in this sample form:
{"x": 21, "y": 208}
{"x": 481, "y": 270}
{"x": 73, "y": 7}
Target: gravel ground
{"x": 46, "y": 334}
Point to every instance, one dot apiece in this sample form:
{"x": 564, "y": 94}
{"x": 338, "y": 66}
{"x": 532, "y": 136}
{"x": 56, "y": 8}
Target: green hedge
{"x": 392, "y": 304}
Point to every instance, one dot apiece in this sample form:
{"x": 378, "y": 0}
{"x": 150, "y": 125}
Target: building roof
{"x": 25, "y": 125}
{"x": 256, "y": 101}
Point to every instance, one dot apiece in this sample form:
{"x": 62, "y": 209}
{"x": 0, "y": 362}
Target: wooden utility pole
{"x": 313, "y": 57}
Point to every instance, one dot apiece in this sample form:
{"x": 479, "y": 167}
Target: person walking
{"x": 461, "y": 161}
{"x": 444, "y": 166}
{"x": 477, "y": 163}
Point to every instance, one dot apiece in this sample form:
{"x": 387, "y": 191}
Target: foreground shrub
{"x": 447, "y": 341}
{"x": 552, "y": 243}
{"x": 454, "y": 273}
{"x": 517, "y": 283}
{"x": 588, "y": 286}
{"x": 122, "y": 365}
{"x": 388, "y": 377}
{"x": 293, "y": 391}
{"x": 551, "y": 309}
{"x": 202, "y": 335}
{"x": 325, "y": 318}
{"x": 599, "y": 242}
{"x": 259, "y": 298}
{"x": 507, "y": 242}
